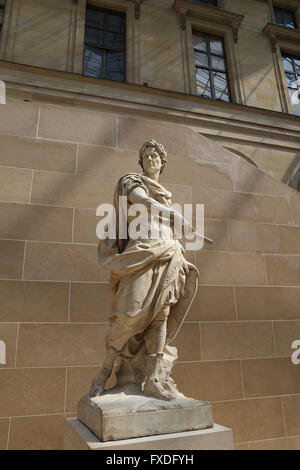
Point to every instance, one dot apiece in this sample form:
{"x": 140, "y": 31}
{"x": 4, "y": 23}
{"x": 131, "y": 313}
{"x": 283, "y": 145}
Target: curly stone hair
{"x": 159, "y": 149}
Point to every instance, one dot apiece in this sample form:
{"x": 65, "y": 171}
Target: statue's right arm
{"x": 139, "y": 196}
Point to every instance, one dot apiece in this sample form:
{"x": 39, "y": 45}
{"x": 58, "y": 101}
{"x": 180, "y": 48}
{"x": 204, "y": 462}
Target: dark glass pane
{"x": 213, "y": 3}
{"x": 297, "y": 65}
{"x": 289, "y": 19}
{"x": 116, "y": 23}
{"x": 291, "y": 79}
{"x": 216, "y": 45}
{"x": 218, "y": 63}
{"x": 92, "y": 63}
{"x": 94, "y": 36}
{"x": 117, "y": 41}
{"x": 278, "y": 15}
{"x": 285, "y": 17}
{"x": 201, "y": 59}
{"x": 221, "y": 86}
{"x": 94, "y": 17}
{"x": 199, "y": 41}
{"x": 203, "y": 83}
{"x": 115, "y": 66}
{"x": 2, "y": 5}
{"x": 287, "y": 64}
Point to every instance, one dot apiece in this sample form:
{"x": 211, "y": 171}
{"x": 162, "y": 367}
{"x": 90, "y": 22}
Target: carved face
{"x": 151, "y": 160}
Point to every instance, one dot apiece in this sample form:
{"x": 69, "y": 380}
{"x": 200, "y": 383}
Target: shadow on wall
{"x": 292, "y": 175}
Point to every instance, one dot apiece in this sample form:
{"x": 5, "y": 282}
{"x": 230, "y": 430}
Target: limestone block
{"x": 33, "y": 301}
{"x": 126, "y": 413}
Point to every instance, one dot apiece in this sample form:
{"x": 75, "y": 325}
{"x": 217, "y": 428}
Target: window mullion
{"x": 104, "y": 65}
{"x": 106, "y": 57}
{"x": 294, "y": 66}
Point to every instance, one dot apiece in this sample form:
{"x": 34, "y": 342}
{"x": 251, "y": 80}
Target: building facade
{"x": 217, "y": 82}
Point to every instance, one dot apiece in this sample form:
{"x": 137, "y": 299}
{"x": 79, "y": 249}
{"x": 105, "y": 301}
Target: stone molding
{"x": 279, "y": 33}
{"x": 289, "y": 4}
{"x": 238, "y": 122}
{"x": 209, "y": 14}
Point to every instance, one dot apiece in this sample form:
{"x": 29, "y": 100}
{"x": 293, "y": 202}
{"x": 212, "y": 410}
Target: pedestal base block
{"x": 78, "y": 437}
{"x": 127, "y": 413}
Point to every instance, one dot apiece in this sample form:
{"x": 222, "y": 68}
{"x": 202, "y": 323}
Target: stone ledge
{"x": 78, "y": 437}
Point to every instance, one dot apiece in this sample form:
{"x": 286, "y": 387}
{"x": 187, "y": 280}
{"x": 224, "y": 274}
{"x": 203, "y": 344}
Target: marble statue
{"x": 153, "y": 287}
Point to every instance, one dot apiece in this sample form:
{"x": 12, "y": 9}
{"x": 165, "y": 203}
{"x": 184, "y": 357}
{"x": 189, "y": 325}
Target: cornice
{"x": 137, "y": 8}
{"x": 290, "y": 4}
{"x": 281, "y": 33}
{"x": 208, "y": 13}
{"x": 256, "y": 126}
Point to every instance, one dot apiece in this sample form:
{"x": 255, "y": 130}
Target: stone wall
{"x": 57, "y": 164}
{"x": 49, "y": 34}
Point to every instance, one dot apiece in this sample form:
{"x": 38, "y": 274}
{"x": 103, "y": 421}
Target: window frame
{"x": 210, "y": 67}
{"x": 105, "y": 48}
{"x": 5, "y": 27}
{"x": 76, "y": 49}
{"x": 2, "y": 8}
{"x": 293, "y": 57}
{"x": 283, "y": 12}
{"x": 203, "y": 2}
{"x": 214, "y": 21}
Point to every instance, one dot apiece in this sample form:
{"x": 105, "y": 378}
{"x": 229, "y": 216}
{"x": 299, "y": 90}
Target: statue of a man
{"x": 153, "y": 285}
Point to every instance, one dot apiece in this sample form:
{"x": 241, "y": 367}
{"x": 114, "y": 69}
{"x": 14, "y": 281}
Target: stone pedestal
{"x": 125, "y": 413}
{"x": 78, "y": 437}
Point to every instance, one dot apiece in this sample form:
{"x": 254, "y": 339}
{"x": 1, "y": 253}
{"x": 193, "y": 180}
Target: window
{"x": 291, "y": 67}
{"x": 104, "y": 44}
{"x": 210, "y": 64}
{"x": 213, "y": 3}
{"x": 2, "y": 7}
{"x": 285, "y": 17}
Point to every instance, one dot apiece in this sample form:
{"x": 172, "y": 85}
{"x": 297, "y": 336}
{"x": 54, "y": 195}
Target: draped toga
{"x": 146, "y": 274}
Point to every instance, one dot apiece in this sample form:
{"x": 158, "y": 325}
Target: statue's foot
{"x": 154, "y": 388}
{"x": 98, "y": 384}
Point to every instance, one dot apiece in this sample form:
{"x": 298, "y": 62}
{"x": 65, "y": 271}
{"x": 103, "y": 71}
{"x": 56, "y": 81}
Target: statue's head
{"x": 152, "y": 145}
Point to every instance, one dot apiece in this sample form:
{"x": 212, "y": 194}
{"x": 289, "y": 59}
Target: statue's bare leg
{"x": 98, "y": 384}
{"x": 155, "y": 342}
